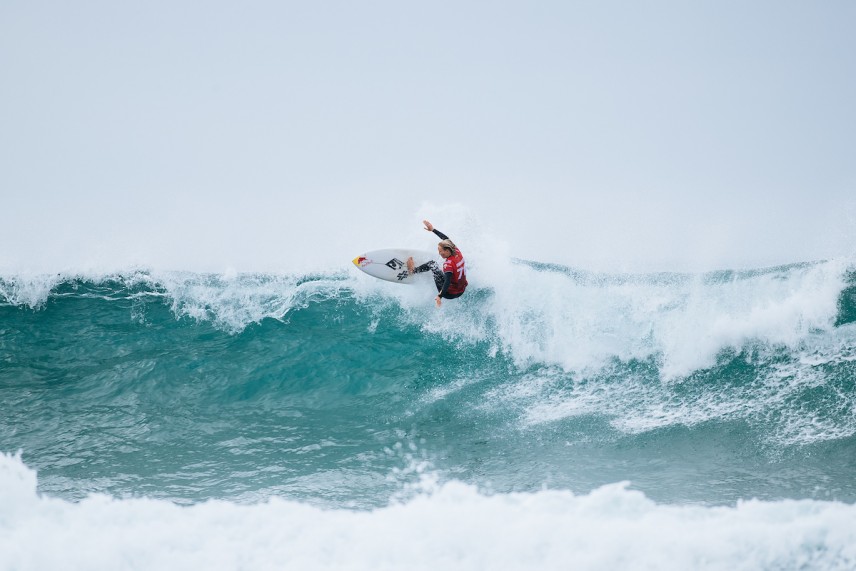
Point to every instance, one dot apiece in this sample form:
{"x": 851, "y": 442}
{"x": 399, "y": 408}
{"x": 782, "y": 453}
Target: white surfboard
{"x": 391, "y": 265}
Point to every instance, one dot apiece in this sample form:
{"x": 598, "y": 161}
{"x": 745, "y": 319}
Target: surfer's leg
{"x": 414, "y": 269}
{"x": 439, "y": 278}
{"x": 430, "y": 266}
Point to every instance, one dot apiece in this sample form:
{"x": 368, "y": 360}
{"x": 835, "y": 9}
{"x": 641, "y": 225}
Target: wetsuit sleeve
{"x": 447, "y": 279}
{"x": 447, "y": 276}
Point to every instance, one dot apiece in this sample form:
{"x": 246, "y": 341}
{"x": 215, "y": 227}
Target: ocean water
{"x": 551, "y": 418}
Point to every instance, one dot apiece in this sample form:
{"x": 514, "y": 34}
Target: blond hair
{"x": 449, "y": 245}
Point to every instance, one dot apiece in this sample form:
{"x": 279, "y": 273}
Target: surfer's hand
{"x": 438, "y": 301}
{"x": 428, "y": 226}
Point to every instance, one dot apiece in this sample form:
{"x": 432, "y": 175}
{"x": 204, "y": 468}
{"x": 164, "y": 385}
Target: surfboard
{"x": 391, "y": 265}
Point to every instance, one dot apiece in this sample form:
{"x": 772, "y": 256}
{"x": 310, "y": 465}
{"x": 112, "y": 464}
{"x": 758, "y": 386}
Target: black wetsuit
{"x": 441, "y": 280}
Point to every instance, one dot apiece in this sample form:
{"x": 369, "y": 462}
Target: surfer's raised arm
{"x": 430, "y": 228}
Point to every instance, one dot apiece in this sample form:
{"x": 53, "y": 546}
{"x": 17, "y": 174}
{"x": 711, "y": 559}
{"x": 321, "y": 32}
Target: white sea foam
{"x": 452, "y": 527}
{"x": 231, "y": 301}
{"x": 684, "y": 321}
{"x": 28, "y": 290}
{"x": 796, "y": 403}
{"x": 581, "y": 320}
{"x": 234, "y": 301}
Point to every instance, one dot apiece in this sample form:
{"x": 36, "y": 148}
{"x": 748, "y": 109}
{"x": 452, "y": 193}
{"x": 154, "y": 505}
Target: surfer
{"x": 451, "y": 281}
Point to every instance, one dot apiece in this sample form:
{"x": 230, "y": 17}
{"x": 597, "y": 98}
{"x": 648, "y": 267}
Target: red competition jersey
{"x": 456, "y": 265}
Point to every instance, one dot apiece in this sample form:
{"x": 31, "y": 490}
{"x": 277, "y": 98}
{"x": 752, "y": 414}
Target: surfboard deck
{"x": 391, "y": 264}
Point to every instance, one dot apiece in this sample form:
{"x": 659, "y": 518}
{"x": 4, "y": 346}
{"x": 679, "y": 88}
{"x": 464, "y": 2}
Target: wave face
{"x": 297, "y": 394}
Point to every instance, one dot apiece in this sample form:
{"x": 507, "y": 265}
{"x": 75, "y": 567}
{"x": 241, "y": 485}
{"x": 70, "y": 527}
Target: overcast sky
{"x": 262, "y": 134}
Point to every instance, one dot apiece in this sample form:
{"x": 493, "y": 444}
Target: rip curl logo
{"x": 395, "y": 264}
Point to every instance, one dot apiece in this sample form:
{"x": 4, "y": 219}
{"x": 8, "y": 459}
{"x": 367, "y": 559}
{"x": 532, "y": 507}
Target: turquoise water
{"x": 565, "y": 400}
{"x": 309, "y": 389}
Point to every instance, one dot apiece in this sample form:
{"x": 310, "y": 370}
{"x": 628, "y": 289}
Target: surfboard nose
{"x": 358, "y": 261}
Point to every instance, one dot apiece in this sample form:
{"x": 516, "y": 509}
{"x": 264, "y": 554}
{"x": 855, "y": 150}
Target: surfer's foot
{"x": 411, "y": 267}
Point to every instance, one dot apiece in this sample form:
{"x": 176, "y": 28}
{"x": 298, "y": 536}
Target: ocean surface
{"x": 551, "y": 418}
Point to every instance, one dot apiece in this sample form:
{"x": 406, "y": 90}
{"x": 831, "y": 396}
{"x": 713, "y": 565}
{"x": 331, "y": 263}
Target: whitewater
{"x": 554, "y": 417}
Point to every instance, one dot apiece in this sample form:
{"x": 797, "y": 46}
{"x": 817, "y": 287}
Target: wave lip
{"x": 230, "y": 301}
{"x": 454, "y": 526}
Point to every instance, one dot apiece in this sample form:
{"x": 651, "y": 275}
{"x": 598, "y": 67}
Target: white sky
{"x": 270, "y": 134}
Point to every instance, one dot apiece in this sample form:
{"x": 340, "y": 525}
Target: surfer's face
{"x": 444, "y": 253}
